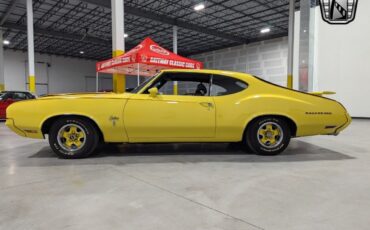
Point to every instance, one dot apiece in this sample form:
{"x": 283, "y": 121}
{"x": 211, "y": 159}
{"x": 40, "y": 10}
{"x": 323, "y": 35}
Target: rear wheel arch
{"x": 46, "y": 125}
{"x": 291, "y": 123}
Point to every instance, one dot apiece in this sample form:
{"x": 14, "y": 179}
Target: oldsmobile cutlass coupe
{"x": 206, "y": 106}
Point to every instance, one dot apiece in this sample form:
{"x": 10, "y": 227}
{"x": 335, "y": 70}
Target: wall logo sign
{"x": 338, "y": 11}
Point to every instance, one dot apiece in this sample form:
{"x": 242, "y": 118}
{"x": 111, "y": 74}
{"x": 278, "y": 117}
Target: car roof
{"x": 239, "y": 75}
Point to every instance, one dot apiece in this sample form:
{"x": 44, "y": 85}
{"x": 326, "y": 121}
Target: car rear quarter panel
{"x": 30, "y": 115}
{"x": 312, "y": 115}
{"x": 235, "y": 112}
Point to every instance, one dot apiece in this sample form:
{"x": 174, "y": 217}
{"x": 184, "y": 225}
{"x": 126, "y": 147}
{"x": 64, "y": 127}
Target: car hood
{"x": 86, "y": 96}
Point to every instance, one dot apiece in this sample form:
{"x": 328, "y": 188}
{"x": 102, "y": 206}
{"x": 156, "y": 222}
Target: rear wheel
{"x": 268, "y": 136}
{"x": 73, "y": 137}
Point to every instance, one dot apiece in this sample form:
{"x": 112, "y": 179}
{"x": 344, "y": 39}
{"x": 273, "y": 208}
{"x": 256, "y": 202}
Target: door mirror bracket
{"x": 153, "y": 91}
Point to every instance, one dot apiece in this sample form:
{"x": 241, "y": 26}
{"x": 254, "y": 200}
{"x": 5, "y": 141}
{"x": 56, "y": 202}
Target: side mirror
{"x": 153, "y": 91}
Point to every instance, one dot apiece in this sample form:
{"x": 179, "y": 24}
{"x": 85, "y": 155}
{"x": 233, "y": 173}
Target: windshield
{"x": 1, "y": 95}
{"x": 138, "y": 88}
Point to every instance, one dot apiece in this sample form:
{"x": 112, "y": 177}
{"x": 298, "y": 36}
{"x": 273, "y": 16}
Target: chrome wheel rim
{"x": 270, "y": 135}
{"x": 71, "y": 137}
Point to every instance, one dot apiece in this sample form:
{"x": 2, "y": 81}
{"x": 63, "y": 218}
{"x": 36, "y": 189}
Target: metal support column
{"x": 2, "y": 80}
{"x": 138, "y": 74}
{"x": 291, "y": 44}
{"x": 118, "y": 41}
{"x": 97, "y": 81}
{"x": 31, "y": 52}
{"x": 174, "y": 37}
{"x": 306, "y": 46}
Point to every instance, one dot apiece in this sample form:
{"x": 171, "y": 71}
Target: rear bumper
{"x": 345, "y": 125}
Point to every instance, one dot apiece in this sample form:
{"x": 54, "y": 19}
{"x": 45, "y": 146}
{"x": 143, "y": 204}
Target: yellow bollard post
{"x": 119, "y": 80}
{"x": 290, "y": 81}
{"x": 32, "y": 85}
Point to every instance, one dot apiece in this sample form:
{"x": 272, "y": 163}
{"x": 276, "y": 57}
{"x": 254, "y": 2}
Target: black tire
{"x": 270, "y": 143}
{"x": 90, "y": 137}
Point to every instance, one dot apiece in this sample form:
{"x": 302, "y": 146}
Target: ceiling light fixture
{"x": 199, "y": 6}
{"x": 81, "y": 52}
{"x": 265, "y": 30}
{"x": 6, "y": 42}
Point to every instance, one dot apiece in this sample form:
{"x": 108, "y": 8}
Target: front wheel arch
{"x": 46, "y": 125}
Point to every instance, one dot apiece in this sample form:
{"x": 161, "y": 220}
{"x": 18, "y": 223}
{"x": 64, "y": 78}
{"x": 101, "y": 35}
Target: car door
{"x": 3, "y": 97}
{"x": 2, "y": 109}
{"x": 187, "y": 115}
{"x": 7, "y": 99}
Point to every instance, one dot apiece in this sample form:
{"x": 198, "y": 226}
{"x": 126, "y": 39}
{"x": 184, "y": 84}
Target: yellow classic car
{"x": 180, "y": 106}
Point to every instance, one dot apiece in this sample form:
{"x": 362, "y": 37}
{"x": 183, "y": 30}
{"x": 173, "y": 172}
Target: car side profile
{"x": 206, "y": 106}
{"x": 9, "y": 97}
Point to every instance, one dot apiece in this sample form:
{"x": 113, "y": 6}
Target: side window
{"x": 29, "y": 96}
{"x": 222, "y": 85}
{"x": 4, "y": 96}
{"x": 9, "y": 96}
{"x": 19, "y": 96}
{"x": 188, "y": 84}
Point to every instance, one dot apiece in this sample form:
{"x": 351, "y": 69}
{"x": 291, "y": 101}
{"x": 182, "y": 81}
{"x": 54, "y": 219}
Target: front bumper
{"x": 11, "y": 125}
{"x": 29, "y": 131}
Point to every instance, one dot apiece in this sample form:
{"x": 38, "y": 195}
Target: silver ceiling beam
{"x": 169, "y": 20}
{"x": 38, "y": 30}
{"x": 8, "y": 11}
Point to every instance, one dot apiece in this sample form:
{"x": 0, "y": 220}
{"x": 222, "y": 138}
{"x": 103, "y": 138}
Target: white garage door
{"x": 105, "y": 84}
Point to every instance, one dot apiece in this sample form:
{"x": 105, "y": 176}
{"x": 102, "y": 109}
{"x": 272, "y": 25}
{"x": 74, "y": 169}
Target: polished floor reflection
{"x": 318, "y": 183}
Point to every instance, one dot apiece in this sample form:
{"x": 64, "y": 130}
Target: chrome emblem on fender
{"x": 338, "y": 11}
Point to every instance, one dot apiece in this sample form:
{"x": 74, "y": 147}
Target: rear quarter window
{"x": 223, "y": 85}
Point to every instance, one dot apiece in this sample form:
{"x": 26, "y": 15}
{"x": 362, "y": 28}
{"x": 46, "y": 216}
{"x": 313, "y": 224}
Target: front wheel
{"x": 268, "y": 136}
{"x": 73, "y": 137}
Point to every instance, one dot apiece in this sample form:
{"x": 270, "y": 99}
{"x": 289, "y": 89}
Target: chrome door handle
{"x": 206, "y": 104}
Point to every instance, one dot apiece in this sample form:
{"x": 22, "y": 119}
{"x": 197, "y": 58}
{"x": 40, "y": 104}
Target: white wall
{"x": 343, "y": 60}
{"x": 65, "y": 74}
{"x": 266, "y": 59}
